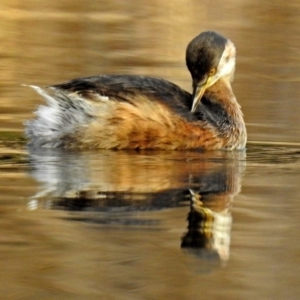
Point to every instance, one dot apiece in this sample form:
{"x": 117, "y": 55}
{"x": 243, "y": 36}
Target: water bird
{"x": 140, "y": 112}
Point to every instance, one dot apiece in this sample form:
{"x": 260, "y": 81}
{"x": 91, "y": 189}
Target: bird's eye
{"x": 213, "y": 71}
{"x": 227, "y": 58}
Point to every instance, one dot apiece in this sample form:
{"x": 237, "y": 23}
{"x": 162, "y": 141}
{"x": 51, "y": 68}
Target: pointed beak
{"x": 198, "y": 93}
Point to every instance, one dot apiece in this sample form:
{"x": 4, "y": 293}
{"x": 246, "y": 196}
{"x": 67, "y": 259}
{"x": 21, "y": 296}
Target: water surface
{"x": 150, "y": 225}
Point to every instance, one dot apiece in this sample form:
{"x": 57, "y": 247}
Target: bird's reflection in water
{"x": 208, "y": 234}
{"x": 109, "y": 187}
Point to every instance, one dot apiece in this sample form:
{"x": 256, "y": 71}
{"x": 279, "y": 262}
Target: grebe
{"x": 137, "y": 112}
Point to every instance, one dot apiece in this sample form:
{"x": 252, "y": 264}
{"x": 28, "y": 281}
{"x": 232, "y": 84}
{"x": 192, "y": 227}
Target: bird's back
{"x": 131, "y": 88}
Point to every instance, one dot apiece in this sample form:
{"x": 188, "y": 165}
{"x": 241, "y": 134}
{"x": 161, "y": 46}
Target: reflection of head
{"x": 207, "y": 229}
{"x": 197, "y": 236}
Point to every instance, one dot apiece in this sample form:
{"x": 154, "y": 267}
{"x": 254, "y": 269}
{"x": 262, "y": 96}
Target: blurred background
{"x": 46, "y": 42}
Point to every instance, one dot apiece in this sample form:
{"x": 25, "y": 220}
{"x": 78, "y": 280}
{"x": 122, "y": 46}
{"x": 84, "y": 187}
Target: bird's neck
{"x": 224, "y": 113}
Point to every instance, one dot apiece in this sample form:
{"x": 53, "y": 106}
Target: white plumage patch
{"x": 227, "y": 62}
{"x": 103, "y": 98}
{"x": 60, "y": 118}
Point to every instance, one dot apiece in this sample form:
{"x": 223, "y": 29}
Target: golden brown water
{"x": 150, "y": 225}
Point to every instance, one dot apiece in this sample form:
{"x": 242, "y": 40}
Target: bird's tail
{"x": 57, "y": 121}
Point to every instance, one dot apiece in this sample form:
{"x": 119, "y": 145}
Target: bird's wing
{"x": 131, "y": 89}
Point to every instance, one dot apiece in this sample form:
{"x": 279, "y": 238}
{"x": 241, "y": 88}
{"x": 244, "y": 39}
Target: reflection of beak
{"x": 199, "y": 91}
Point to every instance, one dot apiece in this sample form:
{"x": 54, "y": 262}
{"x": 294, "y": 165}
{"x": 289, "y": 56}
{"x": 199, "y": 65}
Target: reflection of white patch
{"x": 32, "y": 204}
{"x": 221, "y": 233}
{"x": 58, "y": 173}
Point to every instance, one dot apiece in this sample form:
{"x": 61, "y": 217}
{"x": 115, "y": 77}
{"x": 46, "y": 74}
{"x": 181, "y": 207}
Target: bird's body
{"x": 137, "y": 112}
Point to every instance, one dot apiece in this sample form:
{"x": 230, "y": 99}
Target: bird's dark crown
{"x": 203, "y": 54}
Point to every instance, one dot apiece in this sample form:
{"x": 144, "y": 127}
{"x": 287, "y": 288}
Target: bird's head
{"x": 209, "y": 57}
